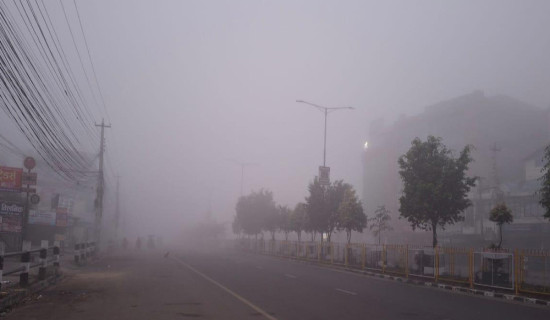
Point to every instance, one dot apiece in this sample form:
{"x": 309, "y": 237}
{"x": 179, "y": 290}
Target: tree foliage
{"x": 323, "y": 203}
{"x": 380, "y": 222}
{"x": 285, "y": 220}
{"x": 351, "y": 216}
{"x": 435, "y": 185}
{"x": 256, "y": 212}
{"x": 545, "y": 181}
{"x": 299, "y": 219}
{"x": 500, "y": 215}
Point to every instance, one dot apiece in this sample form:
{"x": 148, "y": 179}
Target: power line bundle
{"x": 39, "y": 90}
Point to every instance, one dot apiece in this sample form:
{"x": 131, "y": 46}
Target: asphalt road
{"x": 244, "y": 286}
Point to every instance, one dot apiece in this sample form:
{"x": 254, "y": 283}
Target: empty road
{"x": 235, "y": 285}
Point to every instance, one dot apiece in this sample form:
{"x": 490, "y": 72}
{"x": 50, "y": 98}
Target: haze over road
{"x": 233, "y": 285}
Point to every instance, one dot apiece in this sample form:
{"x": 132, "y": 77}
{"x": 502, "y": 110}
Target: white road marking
{"x": 243, "y": 300}
{"x": 346, "y": 291}
{"x": 290, "y": 276}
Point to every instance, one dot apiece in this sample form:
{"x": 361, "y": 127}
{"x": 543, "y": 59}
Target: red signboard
{"x": 10, "y": 179}
{"x": 62, "y": 217}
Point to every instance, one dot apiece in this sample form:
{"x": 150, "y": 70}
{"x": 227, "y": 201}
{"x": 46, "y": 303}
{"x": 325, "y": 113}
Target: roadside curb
{"x": 441, "y": 286}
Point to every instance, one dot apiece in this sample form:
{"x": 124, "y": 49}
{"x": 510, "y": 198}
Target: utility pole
{"x": 100, "y": 183}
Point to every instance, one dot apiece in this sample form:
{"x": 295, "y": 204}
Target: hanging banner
{"x": 10, "y": 179}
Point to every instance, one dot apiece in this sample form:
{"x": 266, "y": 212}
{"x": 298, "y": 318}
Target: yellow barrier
{"x": 521, "y": 271}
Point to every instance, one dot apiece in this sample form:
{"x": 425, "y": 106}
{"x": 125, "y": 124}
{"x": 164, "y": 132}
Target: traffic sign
{"x": 34, "y": 199}
{"x": 324, "y": 175}
{"x": 28, "y": 190}
{"x": 29, "y": 178}
{"x": 29, "y": 163}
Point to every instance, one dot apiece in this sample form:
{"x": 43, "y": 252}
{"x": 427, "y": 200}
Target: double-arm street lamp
{"x": 326, "y": 111}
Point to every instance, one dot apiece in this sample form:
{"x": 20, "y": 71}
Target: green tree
{"x": 317, "y": 212}
{"x": 254, "y": 212}
{"x": 299, "y": 219}
{"x": 500, "y": 215}
{"x": 334, "y": 198}
{"x": 285, "y": 220}
{"x": 351, "y": 216}
{"x": 435, "y": 185}
{"x": 545, "y": 181}
{"x": 236, "y": 226}
{"x": 380, "y": 222}
{"x": 322, "y": 206}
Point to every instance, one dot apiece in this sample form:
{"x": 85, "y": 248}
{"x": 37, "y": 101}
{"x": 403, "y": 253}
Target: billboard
{"x": 10, "y": 179}
{"x": 10, "y": 216}
{"x": 42, "y": 217}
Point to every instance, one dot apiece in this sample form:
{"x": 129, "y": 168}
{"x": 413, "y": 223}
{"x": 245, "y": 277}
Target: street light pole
{"x": 243, "y": 165}
{"x": 326, "y": 111}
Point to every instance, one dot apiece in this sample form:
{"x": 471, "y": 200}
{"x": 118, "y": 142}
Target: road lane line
{"x": 234, "y": 294}
{"x": 346, "y": 291}
{"x": 291, "y": 276}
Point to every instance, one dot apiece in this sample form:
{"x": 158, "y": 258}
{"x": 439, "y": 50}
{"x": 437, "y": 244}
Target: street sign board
{"x": 29, "y": 178}
{"x": 29, "y": 190}
{"x": 29, "y": 163}
{"x": 324, "y": 175}
{"x": 10, "y": 179}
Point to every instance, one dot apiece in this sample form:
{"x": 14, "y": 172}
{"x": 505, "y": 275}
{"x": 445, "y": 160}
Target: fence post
{"x": 517, "y": 269}
{"x": 77, "y": 253}
{"x": 407, "y": 261}
{"x": 436, "y": 263}
{"x": 2, "y": 251}
{"x": 363, "y": 256}
{"x": 384, "y": 258}
{"x": 318, "y": 252}
{"x": 346, "y": 255}
{"x": 56, "y": 252}
{"x": 332, "y": 253}
{"x": 43, "y": 259}
{"x": 25, "y": 263}
{"x": 471, "y": 267}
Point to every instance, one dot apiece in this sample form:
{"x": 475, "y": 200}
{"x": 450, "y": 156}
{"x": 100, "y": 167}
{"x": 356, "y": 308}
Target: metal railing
{"x": 25, "y": 260}
{"x": 521, "y": 271}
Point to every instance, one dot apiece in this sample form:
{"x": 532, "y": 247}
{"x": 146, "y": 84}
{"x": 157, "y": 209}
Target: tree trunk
{"x": 434, "y": 232}
{"x": 349, "y": 236}
{"x": 299, "y": 236}
{"x": 329, "y": 235}
{"x": 286, "y": 236}
{"x": 379, "y": 236}
{"x": 272, "y": 235}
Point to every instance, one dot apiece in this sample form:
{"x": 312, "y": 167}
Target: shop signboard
{"x": 10, "y": 179}
{"x": 42, "y": 217}
{"x": 10, "y": 216}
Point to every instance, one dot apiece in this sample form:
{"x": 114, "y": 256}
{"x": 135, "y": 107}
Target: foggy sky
{"x": 191, "y": 85}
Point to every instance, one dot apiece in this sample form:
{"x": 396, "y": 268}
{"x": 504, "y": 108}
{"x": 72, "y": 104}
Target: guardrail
{"x": 520, "y": 271}
{"x": 84, "y": 251}
{"x": 26, "y": 261}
